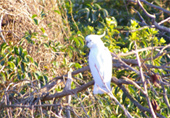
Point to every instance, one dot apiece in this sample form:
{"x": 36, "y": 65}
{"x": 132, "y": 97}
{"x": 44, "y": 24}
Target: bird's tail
{"x": 101, "y": 89}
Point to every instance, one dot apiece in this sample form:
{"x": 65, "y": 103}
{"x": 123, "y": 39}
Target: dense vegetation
{"x": 43, "y": 58}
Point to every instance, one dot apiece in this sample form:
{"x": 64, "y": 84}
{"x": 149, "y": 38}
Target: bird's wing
{"x": 107, "y": 64}
{"x": 96, "y": 65}
{"x": 101, "y": 68}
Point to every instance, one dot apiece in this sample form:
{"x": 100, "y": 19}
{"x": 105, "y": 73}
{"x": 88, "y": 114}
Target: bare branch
{"x": 148, "y": 14}
{"x": 54, "y": 81}
{"x": 157, "y": 7}
{"x": 163, "y": 21}
{"x": 139, "y": 50}
{"x": 1, "y": 29}
{"x": 134, "y": 83}
{"x": 68, "y": 87}
{"x": 163, "y": 28}
{"x": 68, "y": 92}
{"x": 30, "y": 106}
{"x": 165, "y": 96}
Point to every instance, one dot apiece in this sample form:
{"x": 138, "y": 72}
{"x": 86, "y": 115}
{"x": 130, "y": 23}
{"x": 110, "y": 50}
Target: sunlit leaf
{"x": 57, "y": 11}
{"x": 162, "y": 40}
{"x": 34, "y": 15}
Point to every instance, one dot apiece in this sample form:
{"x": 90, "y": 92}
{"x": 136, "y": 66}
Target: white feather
{"x": 100, "y": 62}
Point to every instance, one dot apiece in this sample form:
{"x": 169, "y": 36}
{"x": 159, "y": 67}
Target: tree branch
{"x": 157, "y": 7}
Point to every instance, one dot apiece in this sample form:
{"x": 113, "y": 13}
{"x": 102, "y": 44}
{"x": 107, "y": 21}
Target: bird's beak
{"x": 86, "y": 42}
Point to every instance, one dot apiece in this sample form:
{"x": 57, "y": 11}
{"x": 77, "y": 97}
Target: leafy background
{"x": 41, "y": 40}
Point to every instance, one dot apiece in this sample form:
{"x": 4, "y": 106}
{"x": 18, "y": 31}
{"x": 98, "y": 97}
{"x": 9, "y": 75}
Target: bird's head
{"x": 94, "y": 41}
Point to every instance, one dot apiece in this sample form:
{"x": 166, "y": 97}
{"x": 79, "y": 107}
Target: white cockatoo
{"x": 100, "y": 62}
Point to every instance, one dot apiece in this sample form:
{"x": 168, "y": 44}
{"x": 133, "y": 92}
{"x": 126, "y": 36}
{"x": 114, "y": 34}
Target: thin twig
{"x": 30, "y": 106}
{"x": 135, "y": 84}
{"x": 131, "y": 68}
{"x": 139, "y": 50}
{"x": 143, "y": 23}
{"x": 148, "y": 14}
{"x": 1, "y": 29}
{"x": 82, "y": 106}
{"x": 68, "y": 98}
{"x": 157, "y": 7}
{"x": 163, "y": 21}
{"x": 165, "y": 96}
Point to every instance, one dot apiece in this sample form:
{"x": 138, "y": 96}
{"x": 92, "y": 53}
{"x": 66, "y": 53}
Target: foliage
{"x": 49, "y": 51}
{"x": 17, "y": 65}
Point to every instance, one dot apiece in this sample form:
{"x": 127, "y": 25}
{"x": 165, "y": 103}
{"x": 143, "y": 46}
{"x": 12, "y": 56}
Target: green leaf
{"x": 20, "y": 51}
{"x": 57, "y": 11}
{"x": 77, "y": 65}
{"x": 77, "y": 42}
{"x": 97, "y": 6}
{"x": 90, "y": 28}
{"x": 11, "y": 65}
{"x": 45, "y": 79}
{"x": 34, "y": 15}
{"x": 43, "y": 30}
{"x": 134, "y": 24}
{"x": 42, "y": 14}
{"x": 30, "y": 59}
{"x": 125, "y": 50}
{"x": 35, "y": 21}
{"x": 29, "y": 75}
{"x": 82, "y": 42}
{"x": 16, "y": 50}
{"x": 23, "y": 67}
{"x": 123, "y": 98}
{"x": 10, "y": 58}
{"x": 36, "y": 64}
{"x": 2, "y": 62}
{"x": 30, "y": 40}
{"x": 19, "y": 76}
{"x": 11, "y": 76}
{"x": 3, "y": 47}
{"x": 54, "y": 49}
{"x": 3, "y": 77}
{"x": 86, "y": 11}
{"x": 79, "y": 32}
{"x": 17, "y": 61}
{"x": 116, "y": 90}
{"x": 105, "y": 13}
{"x": 24, "y": 53}
{"x": 162, "y": 40}
{"x": 94, "y": 18}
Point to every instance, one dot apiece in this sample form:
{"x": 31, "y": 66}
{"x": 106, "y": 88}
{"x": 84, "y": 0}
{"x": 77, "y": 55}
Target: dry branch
{"x": 157, "y": 7}
{"x": 1, "y": 29}
{"x": 153, "y": 17}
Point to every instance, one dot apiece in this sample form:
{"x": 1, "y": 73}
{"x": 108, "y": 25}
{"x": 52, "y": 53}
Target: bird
{"x": 100, "y": 63}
